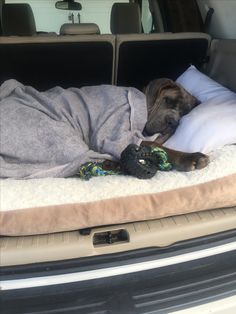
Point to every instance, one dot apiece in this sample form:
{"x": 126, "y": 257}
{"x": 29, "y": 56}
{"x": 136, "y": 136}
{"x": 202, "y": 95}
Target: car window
{"x": 50, "y": 19}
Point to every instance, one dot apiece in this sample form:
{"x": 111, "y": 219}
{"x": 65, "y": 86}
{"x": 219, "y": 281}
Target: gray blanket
{"x": 52, "y": 133}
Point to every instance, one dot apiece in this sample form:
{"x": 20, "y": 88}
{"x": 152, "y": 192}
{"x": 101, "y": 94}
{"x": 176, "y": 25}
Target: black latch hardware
{"x": 110, "y": 237}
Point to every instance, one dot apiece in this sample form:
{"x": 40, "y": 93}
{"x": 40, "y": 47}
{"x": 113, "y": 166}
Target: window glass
{"x": 50, "y": 19}
{"x": 146, "y": 17}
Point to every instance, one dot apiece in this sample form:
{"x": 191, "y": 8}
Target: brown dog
{"x": 167, "y": 102}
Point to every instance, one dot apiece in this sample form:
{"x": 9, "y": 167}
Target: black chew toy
{"x": 138, "y": 161}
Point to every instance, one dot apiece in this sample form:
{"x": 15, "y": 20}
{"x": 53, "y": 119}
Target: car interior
{"x": 137, "y": 42}
{"x": 118, "y": 58}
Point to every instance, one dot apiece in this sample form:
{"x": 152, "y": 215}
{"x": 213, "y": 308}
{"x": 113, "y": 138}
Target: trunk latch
{"x": 110, "y": 237}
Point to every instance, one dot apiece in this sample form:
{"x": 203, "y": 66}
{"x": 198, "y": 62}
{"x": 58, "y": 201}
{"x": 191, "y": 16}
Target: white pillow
{"x": 201, "y": 86}
{"x": 212, "y": 124}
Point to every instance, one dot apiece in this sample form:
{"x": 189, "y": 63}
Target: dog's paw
{"x": 190, "y": 162}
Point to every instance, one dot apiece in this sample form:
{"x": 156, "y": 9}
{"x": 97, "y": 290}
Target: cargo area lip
{"x": 28, "y": 253}
{"x": 42, "y": 281}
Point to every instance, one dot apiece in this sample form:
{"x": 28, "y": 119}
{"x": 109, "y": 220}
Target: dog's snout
{"x": 171, "y": 122}
{"x": 147, "y": 131}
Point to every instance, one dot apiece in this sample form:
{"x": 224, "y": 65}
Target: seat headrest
{"x": 79, "y": 29}
{"x": 125, "y": 18}
{"x": 18, "y": 20}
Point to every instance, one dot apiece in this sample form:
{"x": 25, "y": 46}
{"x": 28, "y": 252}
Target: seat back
{"x": 124, "y": 60}
{"x": 18, "y": 20}
{"x": 44, "y": 62}
{"x": 142, "y": 58}
{"x": 125, "y": 18}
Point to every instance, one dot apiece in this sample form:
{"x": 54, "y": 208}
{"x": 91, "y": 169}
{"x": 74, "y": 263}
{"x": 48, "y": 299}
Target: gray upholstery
{"x": 79, "y": 29}
{"x": 18, "y": 20}
{"x": 125, "y": 18}
{"x": 222, "y": 64}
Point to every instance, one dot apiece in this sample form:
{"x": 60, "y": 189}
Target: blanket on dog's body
{"x": 52, "y": 133}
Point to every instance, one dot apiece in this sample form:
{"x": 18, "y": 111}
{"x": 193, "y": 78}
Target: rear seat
{"x": 125, "y": 18}
{"x": 143, "y": 57}
{"x": 44, "y": 62}
{"x": 18, "y": 19}
{"x": 124, "y": 60}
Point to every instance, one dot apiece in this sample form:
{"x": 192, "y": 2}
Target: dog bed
{"x": 40, "y": 206}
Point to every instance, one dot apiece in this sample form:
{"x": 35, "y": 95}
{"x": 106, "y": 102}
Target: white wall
{"x": 49, "y": 19}
{"x": 224, "y": 18}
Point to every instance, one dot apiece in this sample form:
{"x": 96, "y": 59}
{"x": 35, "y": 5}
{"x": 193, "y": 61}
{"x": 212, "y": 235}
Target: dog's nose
{"x": 171, "y": 122}
{"x": 147, "y": 132}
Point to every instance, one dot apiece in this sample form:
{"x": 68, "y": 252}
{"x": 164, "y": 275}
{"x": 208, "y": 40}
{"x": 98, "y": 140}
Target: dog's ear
{"x": 154, "y": 89}
{"x": 144, "y": 89}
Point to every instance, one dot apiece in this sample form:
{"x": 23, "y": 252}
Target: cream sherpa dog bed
{"x": 52, "y": 205}
{"x": 40, "y": 206}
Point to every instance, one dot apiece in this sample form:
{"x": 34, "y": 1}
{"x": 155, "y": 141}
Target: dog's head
{"x": 167, "y": 102}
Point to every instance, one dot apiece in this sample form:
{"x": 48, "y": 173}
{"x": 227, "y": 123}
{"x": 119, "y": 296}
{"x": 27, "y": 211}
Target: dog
{"x": 54, "y": 131}
{"x": 167, "y": 102}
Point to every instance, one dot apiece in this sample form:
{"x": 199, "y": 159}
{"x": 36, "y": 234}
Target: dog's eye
{"x": 170, "y": 102}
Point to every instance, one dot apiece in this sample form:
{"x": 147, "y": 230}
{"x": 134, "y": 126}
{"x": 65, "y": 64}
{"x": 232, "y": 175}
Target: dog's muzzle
{"x": 171, "y": 123}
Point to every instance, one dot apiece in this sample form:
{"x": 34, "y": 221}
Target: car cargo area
{"x": 158, "y": 55}
{"x": 109, "y": 244}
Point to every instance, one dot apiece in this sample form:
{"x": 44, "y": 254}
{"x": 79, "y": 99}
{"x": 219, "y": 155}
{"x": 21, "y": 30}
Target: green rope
{"x": 161, "y": 159}
{"x": 94, "y": 169}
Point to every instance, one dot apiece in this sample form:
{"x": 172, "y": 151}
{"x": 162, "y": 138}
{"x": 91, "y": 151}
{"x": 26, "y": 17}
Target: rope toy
{"x": 94, "y": 169}
{"x": 139, "y": 161}
{"x": 143, "y": 161}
